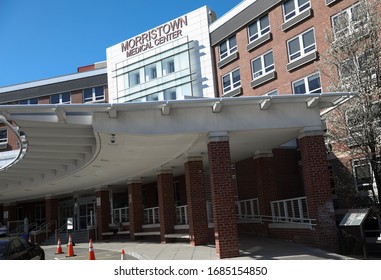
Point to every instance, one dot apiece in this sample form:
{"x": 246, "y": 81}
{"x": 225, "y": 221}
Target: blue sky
{"x": 47, "y": 38}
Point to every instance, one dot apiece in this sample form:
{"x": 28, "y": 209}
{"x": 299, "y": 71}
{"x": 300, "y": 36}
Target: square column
{"x": 318, "y": 189}
{"x": 103, "y": 211}
{"x": 265, "y": 180}
{"x": 198, "y": 218}
{"x": 167, "y": 209}
{"x": 135, "y": 207}
{"x": 51, "y": 211}
{"x": 223, "y": 196}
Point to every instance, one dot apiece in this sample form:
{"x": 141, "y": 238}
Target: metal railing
{"x": 43, "y": 228}
{"x": 248, "y": 209}
{"x": 294, "y": 210}
{"x": 120, "y": 215}
{"x": 151, "y": 216}
{"x": 182, "y": 215}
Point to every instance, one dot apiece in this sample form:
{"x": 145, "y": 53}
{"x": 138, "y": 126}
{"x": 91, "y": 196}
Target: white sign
{"x": 70, "y": 223}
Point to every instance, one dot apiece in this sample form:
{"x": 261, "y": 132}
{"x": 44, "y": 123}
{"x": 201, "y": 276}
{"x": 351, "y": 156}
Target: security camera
{"x": 112, "y": 139}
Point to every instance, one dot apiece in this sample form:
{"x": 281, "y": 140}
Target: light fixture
{"x": 112, "y": 139}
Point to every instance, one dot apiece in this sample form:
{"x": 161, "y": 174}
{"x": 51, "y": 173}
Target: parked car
{"x": 17, "y": 248}
{"x": 3, "y": 230}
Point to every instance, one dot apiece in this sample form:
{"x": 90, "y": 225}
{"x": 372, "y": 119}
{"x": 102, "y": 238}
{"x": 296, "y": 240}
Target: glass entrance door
{"x": 86, "y": 215}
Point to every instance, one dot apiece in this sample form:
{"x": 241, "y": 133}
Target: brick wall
{"x": 224, "y": 213}
{"x": 321, "y": 21}
{"x": 135, "y": 210}
{"x": 166, "y": 204}
{"x": 103, "y": 212}
{"x": 198, "y": 221}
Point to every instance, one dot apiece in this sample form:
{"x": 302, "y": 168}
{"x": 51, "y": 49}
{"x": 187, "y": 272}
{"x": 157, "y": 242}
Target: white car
{"x": 3, "y": 230}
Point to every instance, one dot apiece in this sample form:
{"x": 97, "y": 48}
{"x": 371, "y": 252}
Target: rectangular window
{"x": 29, "y": 101}
{"x": 301, "y": 45}
{"x": 150, "y": 72}
{"x": 231, "y": 81}
{"x": 170, "y": 94}
{"x": 95, "y": 94}
{"x": 307, "y": 85}
{"x": 263, "y": 64}
{"x": 60, "y": 98}
{"x": 259, "y": 28}
{"x": 168, "y": 66}
{"x": 3, "y": 136}
{"x": 134, "y": 78}
{"x": 228, "y": 47}
{"x": 292, "y": 8}
{"x": 363, "y": 174}
{"x": 348, "y": 20}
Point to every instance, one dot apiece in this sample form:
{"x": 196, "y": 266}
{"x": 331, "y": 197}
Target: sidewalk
{"x": 251, "y": 248}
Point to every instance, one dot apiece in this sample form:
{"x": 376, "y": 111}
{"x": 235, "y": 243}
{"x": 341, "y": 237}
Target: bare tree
{"x": 353, "y": 63}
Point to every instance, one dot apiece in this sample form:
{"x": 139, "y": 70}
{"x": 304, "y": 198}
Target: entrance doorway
{"x": 87, "y": 215}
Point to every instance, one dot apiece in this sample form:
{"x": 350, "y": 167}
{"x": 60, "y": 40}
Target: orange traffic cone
{"x": 70, "y": 249}
{"x": 122, "y": 256}
{"x": 59, "y": 247}
{"x": 91, "y": 251}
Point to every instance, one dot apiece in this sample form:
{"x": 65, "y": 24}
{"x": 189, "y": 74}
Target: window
{"x": 363, "y": 174}
{"x": 29, "y": 101}
{"x": 3, "y": 136}
{"x": 273, "y": 92}
{"x": 153, "y": 97}
{"x": 150, "y": 72}
{"x": 228, "y": 47}
{"x": 170, "y": 94}
{"x": 263, "y": 64}
{"x": 168, "y": 66}
{"x": 307, "y": 85}
{"x": 292, "y": 8}
{"x": 60, "y": 98}
{"x": 301, "y": 45}
{"x": 259, "y": 28}
{"x": 347, "y": 21}
{"x": 134, "y": 78}
{"x": 93, "y": 94}
{"x": 231, "y": 81}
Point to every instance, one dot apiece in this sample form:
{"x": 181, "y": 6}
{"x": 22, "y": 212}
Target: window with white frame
{"x": 170, "y": 94}
{"x": 94, "y": 94}
{"x": 307, "y": 85}
{"x": 259, "y": 28}
{"x": 134, "y": 78}
{"x": 29, "y": 101}
{"x": 3, "y": 136}
{"x": 231, "y": 81}
{"x": 292, "y": 8}
{"x": 363, "y": 174}
{"x": 228, "y": 47}
{"x": 348, "y": 20}
{"x": 150, "y": 72}
{"x": 263, "y": 64}
{"x": 273, "y": 92}
{"x": 61, "y": 98}
{"x": 301, "y": 45}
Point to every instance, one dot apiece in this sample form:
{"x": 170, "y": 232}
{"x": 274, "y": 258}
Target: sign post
{"x": 356, "y": 218}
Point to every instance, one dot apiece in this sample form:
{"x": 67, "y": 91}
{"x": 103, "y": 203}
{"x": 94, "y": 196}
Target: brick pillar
{"x": 167, "y": 208}
{"x": 1, "y": 213}
{"x": 223, "y": 196}
{"x": 318, "y": 190}
{"x": 135, "y": 207}
{"x": 264, "y": 175}
{"x": 198, "y": 219}
{"x": 51, "y": 211}
{"x": 103, "y": 211}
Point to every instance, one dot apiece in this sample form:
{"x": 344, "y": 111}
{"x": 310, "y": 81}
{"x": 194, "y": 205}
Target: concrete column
{"x": 318, "y": 189}
{"x": 198, "y": 219}
{"x": 103, "y": 211}
{"x": 265, "y": 180}
{"x": 135, "y": 207}
{"x": 223, "y": 196}
{"x": 166, "y": 203}
{"x": 51, "y": 211}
